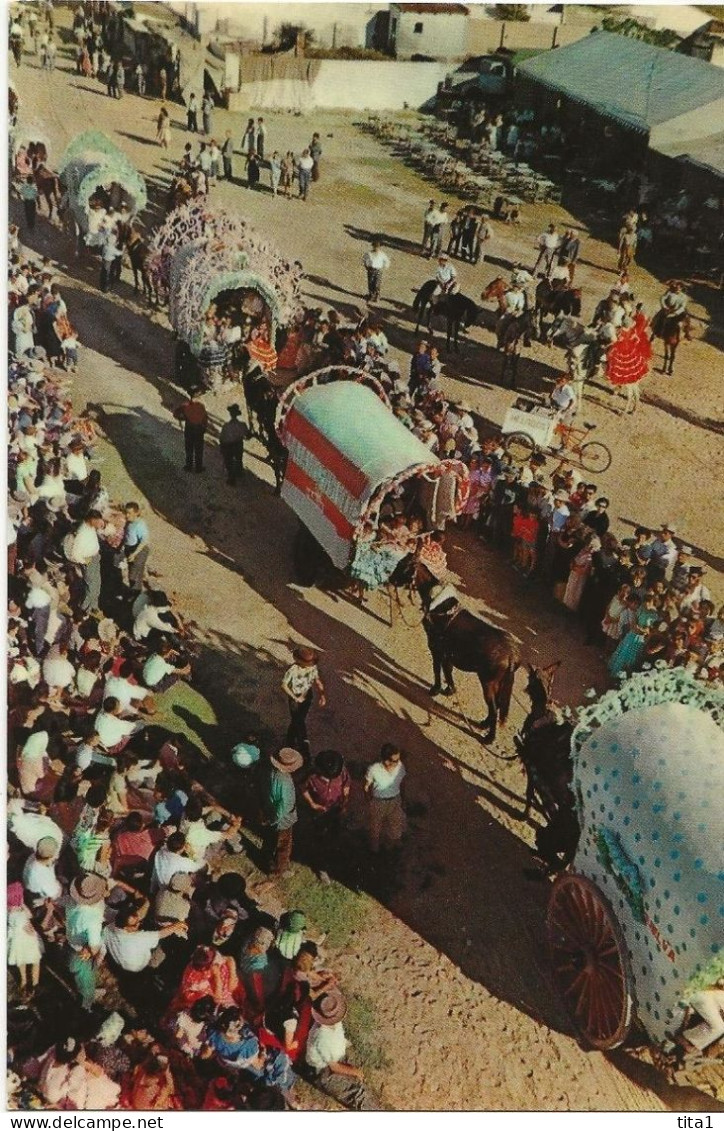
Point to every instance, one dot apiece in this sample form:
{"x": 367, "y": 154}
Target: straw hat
{"x": 330, "y": 1008}
{"x": 88, "y": 889}
{"x": 287, "y": 760}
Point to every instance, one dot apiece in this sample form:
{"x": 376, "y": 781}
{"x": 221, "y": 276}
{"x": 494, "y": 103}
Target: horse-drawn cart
{"x": 636, "y": 925}
{"x": 351, "y": 462}
{"x": 228, "y": 289}
{"x": 97, "y": 177}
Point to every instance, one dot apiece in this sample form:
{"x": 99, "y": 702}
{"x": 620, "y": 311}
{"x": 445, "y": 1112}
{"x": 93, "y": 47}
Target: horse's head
{"x": 540, "y": 685}
{"x": 424, "y": 582}
{"x": 495, "y": 289}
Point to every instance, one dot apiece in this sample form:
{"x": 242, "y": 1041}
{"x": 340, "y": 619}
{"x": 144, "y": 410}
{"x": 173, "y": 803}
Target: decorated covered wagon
{"x": 636, "y": 925}
{"x": 98, "y": 180}
{"x": 366, "y": 489}
{"x": 229, "y": 290}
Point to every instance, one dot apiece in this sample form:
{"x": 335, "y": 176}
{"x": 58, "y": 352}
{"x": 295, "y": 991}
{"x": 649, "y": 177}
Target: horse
{"x": 459, "y": 310}
{"x": 48, "y": 186}
{"x": 543, "y": 745}
{"x": 262, "y": 402}
{"x": 514, "y": 331}
{"x": 668, "y": 328}
{"x": 459, "y": 639}
{"x": 556, "y": 298}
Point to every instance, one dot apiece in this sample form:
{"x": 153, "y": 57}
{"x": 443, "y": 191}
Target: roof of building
{"x": 707, "y": 152}
{"x": 627, "y": 80}
{"x": 434, "y": 9}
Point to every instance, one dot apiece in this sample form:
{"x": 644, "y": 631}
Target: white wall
{"x": 375, "y": 86}
{"x": 346, "y": 24}
{"x": 442, "y": 36}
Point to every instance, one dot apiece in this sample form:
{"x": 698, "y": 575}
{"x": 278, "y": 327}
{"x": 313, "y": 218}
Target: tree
{"x": 512, "y": 12}
{"x": 287, "y": 34}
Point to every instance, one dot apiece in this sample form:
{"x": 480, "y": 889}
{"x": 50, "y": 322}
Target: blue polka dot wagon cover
{"x": 649, "y": 784}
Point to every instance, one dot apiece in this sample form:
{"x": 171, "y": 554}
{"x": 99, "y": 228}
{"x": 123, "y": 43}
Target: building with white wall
{"x": 439, "y": 31}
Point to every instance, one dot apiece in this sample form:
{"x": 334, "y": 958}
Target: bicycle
{"x": 592, "y": 455}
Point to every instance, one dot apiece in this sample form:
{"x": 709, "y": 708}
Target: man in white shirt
{"x": 383, "y": 782}
{"x": 39, "y": 878}
{"x": 446, "y": 278}
{"x": 170, "y": 859}
{"x": 326, "y": 1051}
{"x": 120, "y": 687}
{"x": 547, "y": 244}
{"x": 375, "y": 262}
{"x": 85, "y": 551}
{"x": 563, "y": 399}
{"x": 427, "y": 226}
{"x": 158, "y": 673}
{"x": 113, "y": 731}
{"x": 438, "y": 222}
{"x": 130, "y": 947}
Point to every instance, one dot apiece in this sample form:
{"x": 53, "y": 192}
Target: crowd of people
{"x": 121, "y": 866}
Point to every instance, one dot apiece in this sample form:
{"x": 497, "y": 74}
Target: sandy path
{"x": 459, "y": 983}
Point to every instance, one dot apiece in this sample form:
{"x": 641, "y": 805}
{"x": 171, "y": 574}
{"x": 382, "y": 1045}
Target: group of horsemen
{"x": 525, "y": 302}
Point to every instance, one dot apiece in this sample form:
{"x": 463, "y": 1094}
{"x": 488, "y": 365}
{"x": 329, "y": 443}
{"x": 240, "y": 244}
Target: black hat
{"x": 234, "y": 410}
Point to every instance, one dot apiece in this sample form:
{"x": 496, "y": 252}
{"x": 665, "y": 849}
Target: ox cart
{"x": 635, "y": 925}
{"x": 354, "y": 472}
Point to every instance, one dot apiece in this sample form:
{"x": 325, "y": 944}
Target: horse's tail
{"x": 505, "y": 690}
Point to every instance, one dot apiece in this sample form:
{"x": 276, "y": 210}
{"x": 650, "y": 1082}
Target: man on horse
{"x": 670, "y": 320}
{"x": 446, "y": 278}
{"x": 514, "y": 304}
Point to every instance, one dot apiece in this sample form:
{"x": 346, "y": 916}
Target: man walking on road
{"x": 231, "y": 442}
{"x": 195, "y": 421}
{"x": 192, "y": 115}
{"x": 298, "y": 683}
{"x": 227, "y": 156}
{"x": 375, "y": 262}
{"x": 281, "y": 805}
{"x": 547, "y": 243}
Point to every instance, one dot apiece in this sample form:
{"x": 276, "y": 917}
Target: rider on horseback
{"x": 673, "y": 304}
{"x": 446, "y": 278}
{"x": 514, "y": 305}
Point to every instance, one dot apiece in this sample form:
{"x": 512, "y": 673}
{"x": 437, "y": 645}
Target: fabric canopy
{"x": 649, "y": 778}
{"x": 345, "y": 446}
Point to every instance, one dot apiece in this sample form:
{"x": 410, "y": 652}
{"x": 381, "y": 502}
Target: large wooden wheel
{"x": 588, "y": 956}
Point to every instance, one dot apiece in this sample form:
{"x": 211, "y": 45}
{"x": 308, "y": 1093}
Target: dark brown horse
{"x": 137, "y": 249}
{"x": 669, "y": 329}
{"x": 459, "y": 639}
{"x": 262, "y": 402}
{"x": 544, "y": 747}
{"x": 48, "y": 187}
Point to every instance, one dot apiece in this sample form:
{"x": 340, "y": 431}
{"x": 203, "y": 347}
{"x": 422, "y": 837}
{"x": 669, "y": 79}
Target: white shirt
{"x": 326, "y": 1044}
{"x": 377, "y": 260}
{"x": 549, "y": 241}
{"x": 111, "y": 730}
{"x": 124, "y": 691}
{"x": 39, "y": 878}
{"x": 563, "y": 397}
{"x": 514, "y": 302}
{"x": 306, "y": 163}
{"x": 149, "y": 618}
{"x": 298, "y": 681}
{"x": 85, "y": 544}
{"x": 167, "y": 864}
{"x": 29, "y": 828}
{"x": 58, "y": 671}
{"x": 76, "y": 466}
{"x": 385, "y": 783}
{"x": 199, "y": 838}
{"x": 155, "y": 669}
{"x": 445, "y": 273}
{"x": 131, "y": 950}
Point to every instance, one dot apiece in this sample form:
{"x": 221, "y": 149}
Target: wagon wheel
{"x": 588, "y": 956}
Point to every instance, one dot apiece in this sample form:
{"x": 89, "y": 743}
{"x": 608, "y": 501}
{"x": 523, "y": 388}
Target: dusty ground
{"x": 447, "y": 951}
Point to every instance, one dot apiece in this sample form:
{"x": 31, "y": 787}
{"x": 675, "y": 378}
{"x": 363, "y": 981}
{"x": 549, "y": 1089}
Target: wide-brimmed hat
{"x": 46, "y": 848}
{"x": 330, "y": 1008}
{"x": 287, "y": 760}
{"x": 88, "y": 889}
{"x": 233, "y": 410}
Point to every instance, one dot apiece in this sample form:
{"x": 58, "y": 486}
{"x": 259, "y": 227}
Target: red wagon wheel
{"x": 588, "y": 956}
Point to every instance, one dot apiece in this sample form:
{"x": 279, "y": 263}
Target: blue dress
{"x": 629, "y": 650}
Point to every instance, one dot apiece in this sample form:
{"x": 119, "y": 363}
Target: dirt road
{"x": 448, "y": 949}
